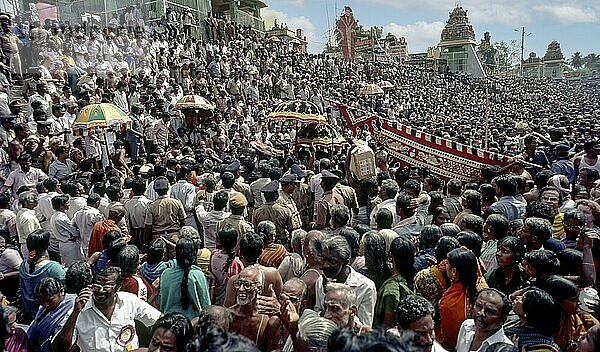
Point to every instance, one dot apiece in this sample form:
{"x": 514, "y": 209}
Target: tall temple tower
{"x": 457, "y": 45}
{"x": 554, "y": 61}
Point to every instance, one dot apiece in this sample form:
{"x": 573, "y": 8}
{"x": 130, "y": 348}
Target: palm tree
{"x": 592, "y": 62}
{"x": 576, "y": 61}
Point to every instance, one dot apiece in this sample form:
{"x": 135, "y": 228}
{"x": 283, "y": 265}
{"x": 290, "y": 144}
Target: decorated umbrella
{"x": 195, "y": 102}
{"x": 319, "y": 135}
{"x": 371, "y": 89}
{"x": 274, "y": 39}
{"x": 100, "y": 115}
{"x": 298, "y": 110}
{"x": 385, "y": 84}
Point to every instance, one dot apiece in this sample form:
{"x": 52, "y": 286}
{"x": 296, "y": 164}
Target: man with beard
{"x": 109, "y": 314}
{"x": 490, "y": 312}
{"x": 259, "y": 328}
{"x": 340, "y": 307}
{"x": 336, "y": 256}
{"x": 415, "y": 314}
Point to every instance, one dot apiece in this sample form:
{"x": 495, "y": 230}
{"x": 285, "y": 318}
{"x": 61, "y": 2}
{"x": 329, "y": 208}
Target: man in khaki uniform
{"x": 9, "y": 43}
{"x": 330, "y": 197}
{"x": 165, "y": 216}
{"x": 349, "y": 195}
{"x": 302, "y": 196}
{"x": 237, "y": 205}
{"x": 289, "y": 183}
{"x": 278, "y": 214}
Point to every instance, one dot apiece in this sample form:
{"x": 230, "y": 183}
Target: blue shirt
{"x": 507, "y": 206}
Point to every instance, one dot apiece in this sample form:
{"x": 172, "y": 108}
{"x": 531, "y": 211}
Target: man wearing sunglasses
{"x": 106, "y": 321}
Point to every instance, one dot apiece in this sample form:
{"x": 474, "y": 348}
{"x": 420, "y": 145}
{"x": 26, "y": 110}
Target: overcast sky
{"x": 575, "y": 24}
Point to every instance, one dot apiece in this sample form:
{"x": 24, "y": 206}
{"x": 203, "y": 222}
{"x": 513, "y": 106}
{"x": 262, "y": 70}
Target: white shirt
{"x": 209, "y": 221}
{"x": 161, "y": 132}
{"x": 135, "y": 210}
{"x": 27, "y": 222}
{"x": 467, "y": 332}
{"x": 44, "y": 208}
{"x": 366, "y": 295}
{"x": 61, "y": 227}
{"x": 18, "y": 178}
{"x": 93, "y": 332}
{"x": 315, "y": 187}
{"x": 389, "y": 204}
{"x": 84, "y": 221}
{"x": 75, "y": 204}
{"x": 185, "y": 192}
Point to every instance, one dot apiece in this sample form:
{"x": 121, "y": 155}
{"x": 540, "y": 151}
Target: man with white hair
{"x": 260, "y": 328}
{"x": 340, "y": 306}
{"x": 336, "y": 269}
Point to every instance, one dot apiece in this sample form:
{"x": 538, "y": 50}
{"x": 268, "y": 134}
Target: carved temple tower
{"x": 554, "y": 61}
{"x": 457, "y": 45}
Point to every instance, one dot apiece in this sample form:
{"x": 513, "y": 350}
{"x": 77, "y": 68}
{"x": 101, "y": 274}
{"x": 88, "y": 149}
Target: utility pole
{"x": 522, "y": 49}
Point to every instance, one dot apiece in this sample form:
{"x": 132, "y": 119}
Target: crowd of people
{"x": 183, "y": 231}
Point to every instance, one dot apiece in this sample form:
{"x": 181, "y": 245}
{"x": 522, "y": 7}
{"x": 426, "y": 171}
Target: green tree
{"x": 592, "y": 62}
{"x": 507, "y": 55}
{"x": 576, "y": 60}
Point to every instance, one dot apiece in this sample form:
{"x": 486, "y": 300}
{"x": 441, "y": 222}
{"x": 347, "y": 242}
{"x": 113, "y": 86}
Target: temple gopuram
{"x": 353, "y": 41}
{"x": 550, "y": 66}
{"x": 457, "y": 45}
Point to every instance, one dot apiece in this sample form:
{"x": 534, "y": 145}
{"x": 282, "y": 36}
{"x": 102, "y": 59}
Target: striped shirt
{"x": 272, "y": 255}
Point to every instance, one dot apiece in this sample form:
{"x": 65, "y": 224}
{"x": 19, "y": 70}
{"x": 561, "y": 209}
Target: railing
{"x": 247, "y": 19}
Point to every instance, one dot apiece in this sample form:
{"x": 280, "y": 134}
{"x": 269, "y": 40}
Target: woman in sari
{"x": 54, "y": 307}
{"x": 573, "y": 324}
{"x": 457, "y": 301}
{"x": 432, "y": 282}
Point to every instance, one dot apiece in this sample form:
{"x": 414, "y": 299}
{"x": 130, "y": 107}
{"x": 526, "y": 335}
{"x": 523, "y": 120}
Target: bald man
{"x": 260, "y": 328}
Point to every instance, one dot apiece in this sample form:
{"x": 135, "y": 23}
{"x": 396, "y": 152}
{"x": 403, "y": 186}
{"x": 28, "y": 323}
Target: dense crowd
{"x": 210, "y": 230}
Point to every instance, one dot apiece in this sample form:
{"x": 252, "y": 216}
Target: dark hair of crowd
{"x": 411, "y": 309}
{"x": 251, "y": 246}
{"x": 376, "y": 263}
{"x": 216, "y": 339}
{"x": 444, "y": 246}
{"x": 185, "y": 255}
{"x": 403, "y": 253}
{"x": 38, "y": 241}
{"x": 78, "y": 276}
{"x": 179, "y": 325}
{"x": 543, "y": 314}
{"x": 465, "y": 263}
{"x": 543, "y": 261}
{"x": 128, "y": 259}
{"x": 48, "y": 286}
{"x": 228, "y": 237}
{"x": 471, "y": 240}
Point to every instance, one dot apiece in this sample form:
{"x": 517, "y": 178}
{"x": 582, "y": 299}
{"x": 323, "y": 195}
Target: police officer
{"x": 289, "y": 183}
{"x": 281, "y": 216}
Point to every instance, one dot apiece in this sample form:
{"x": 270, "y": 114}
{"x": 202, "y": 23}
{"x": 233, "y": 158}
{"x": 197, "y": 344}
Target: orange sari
{"x": 455, "y": 307}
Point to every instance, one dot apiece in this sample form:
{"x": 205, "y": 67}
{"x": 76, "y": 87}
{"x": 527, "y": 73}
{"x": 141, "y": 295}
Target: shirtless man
{"x": 16, "y": 146}
{"x": 118, "y": 158}
{"x": 260, "y": 328}
{"x": 251, "y": 246}
{"x": 312, "y": 272}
